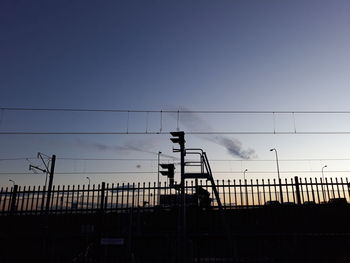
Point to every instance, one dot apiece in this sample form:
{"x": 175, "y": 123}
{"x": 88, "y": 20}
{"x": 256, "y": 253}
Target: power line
{"x": 67, "y": 173}
{"x": 281, "y": 160}
{"x": 159, "y": 130}
{"x": 171, "y": 159}
{"x": 107, "y": 159}
{"x": 88, "y": 159}
{"x": 212, "y": 160}
{"x": 187, "y": 132}
{"x": 154, "y": 172}
{"x": 170, "y": 111}
{"x": 17, "y": 159}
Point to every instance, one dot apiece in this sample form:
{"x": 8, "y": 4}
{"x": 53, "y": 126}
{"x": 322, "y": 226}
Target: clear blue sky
{"x": 153, "y": 55}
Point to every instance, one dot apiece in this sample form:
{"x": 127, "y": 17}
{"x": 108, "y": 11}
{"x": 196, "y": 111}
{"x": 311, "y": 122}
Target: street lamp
{"x": 159, "y": 153}
{"x": 324, "y": 196}
{"x": 246, "y": 170}
{"x": 88, "y": 179}
{"x": 322, "y": 172}
{"x": 246, "y": 188}
{"x": 278, "y": 173}
{"x": 12, "y": 182}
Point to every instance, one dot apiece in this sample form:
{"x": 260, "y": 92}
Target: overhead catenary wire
{"x": 155, "y": 172}
{"x": 187, "y": 132}
{"x": 170, "y": 159}
{"x": 173, "y": 111}
{"x": 176, "y": 113}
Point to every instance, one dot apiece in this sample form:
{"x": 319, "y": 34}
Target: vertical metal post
{"x": 14, "y": 199}
{"x": 102, "y": 201}
{"x": 281, "y": 192}
{"x": 287, "y": 191}
{"x": 263, "y": 186}
{"x": 117, "y": 198}
{"x": 127, "y": 195}
{"x": 37, "y": 198}
{"x": 223, "y": 192}
{"x": 252, "y": 188}
{"x": 342, "y": 186}
{"x": 246, "y": 193}
{"x": 278, "y": 173}
{"x": 297, "y": 190}
{"x": 182, "y": 151}
{"x": 307, "y": 190}
{"x": 235, "y": 192}
{"x": 337, "y": 184}
{"x": 72, "y": 199}
{"x": 32, "y": 199}
{"x": 333, "y": 194}
{"x": 258, "y": 191}
{"x": 158, "y": 192}
{"x": 327, "y": 186}
{"x": 312, "y": 191}
{"x": 52, "y": 170}
{"x": 229, "y": 192}
{"x": 317, "y": 191}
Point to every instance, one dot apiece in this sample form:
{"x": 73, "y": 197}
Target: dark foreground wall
{"x": 267, "y": 234}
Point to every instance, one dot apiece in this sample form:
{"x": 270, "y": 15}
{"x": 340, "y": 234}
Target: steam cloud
{"x": 233, "y": 146}
{"x": 136, "y": 146}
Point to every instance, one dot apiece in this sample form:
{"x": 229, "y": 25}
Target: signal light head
{"x": 170, "y": 170}
{"x": 178, "y": 133}
{"x": 175, "y": 140}
{"x": 167, "y": 165}
{"x": 179, "y": 137}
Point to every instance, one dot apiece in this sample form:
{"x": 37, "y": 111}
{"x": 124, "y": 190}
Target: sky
{"x": 174, "y": 55}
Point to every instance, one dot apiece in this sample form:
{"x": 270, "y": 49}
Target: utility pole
{"x": 49, "y": 189}
{"x": 179, "y": 137}
{"x": 158, "y": 186}
{"x": 47, "y": 172}
{"x": 278, "y": 173}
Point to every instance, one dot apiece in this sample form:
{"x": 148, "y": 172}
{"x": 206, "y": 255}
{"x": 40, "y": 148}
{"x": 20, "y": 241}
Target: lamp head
{"x": 271, "y": 150}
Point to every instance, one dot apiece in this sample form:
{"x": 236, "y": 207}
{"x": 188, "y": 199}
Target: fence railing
{"x": 121, "y": 197}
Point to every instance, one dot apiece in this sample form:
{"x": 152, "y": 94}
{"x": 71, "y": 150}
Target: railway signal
{"x": 169, "y": 172}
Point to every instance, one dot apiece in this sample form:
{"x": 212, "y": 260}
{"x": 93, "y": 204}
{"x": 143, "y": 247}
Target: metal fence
{"x": 122, "y": 197}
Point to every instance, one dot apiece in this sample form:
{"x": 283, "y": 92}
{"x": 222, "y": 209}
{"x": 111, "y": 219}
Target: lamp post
{"x": 89, "y": 180}
{"x": 159, "y": 153}
{"x": 246, "y": 188}
{"x": 278, "y": 173}
{"x": 322, "y": 172}
{"x": 323, "y": 193}
{"x": 246, "y": 170}
{"x": 12, "y": 182}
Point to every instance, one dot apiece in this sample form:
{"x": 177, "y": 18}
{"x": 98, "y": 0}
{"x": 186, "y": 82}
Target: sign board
{"x": 112, "y": 241}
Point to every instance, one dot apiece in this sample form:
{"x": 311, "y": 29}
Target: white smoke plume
{"x": 234, "y": 147}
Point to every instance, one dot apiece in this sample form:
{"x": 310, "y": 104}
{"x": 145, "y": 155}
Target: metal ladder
{"x": 205, "y": 173}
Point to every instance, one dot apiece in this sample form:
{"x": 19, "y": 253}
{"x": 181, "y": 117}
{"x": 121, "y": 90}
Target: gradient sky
{"x": 170, "y": 55}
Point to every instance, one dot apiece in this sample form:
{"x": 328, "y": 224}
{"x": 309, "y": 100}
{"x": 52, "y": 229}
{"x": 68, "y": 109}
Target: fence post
{"x": 102, "y": 205}
{"x": 297, "y": 190}
{"x": 14, "y": 199}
